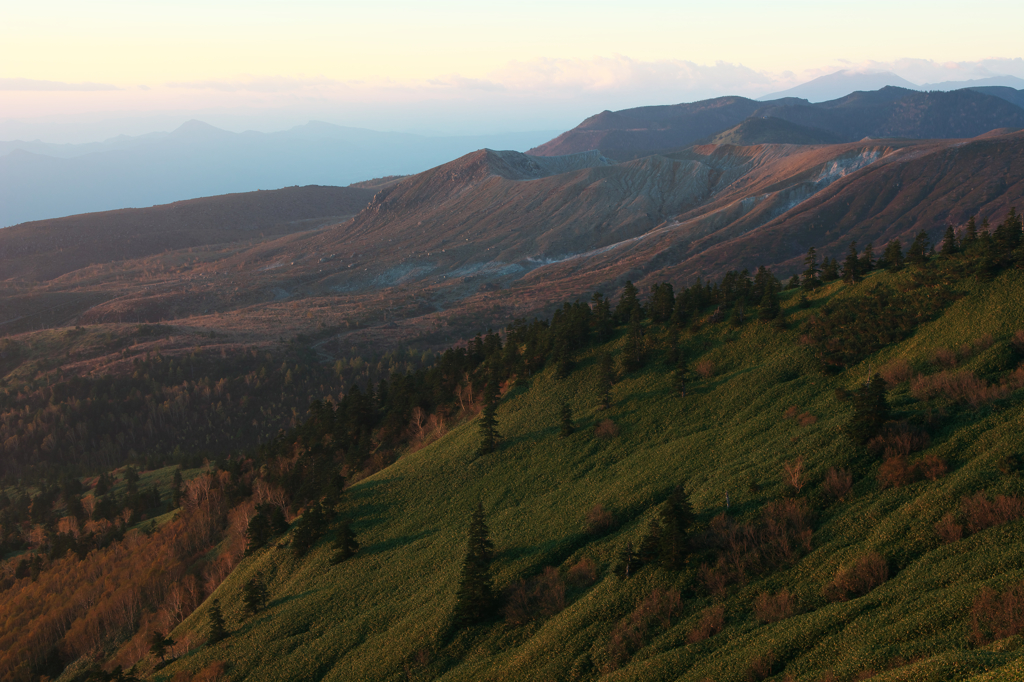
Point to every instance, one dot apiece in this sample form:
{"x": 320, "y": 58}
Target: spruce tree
{"x": 258, "y": 533}
{"x": 794, "y": 283}
{"x": 949, "y": 245}
{"x": 218, "y": 630}
{"x": 604, "y": 380}
{"x": 488, "y": 419}
{"x": 255, "y": 595}
{"x": 810, "y": 277}
{"x": 650, "y": 547}
{"x": 628, "y": 304}
{"x": 629, "y": 563}
{"x": 566, "y": 417}
{"x": 345, "y": 544}
{"x": 851, "y": 266}
{"x": 893, "y": 256}
{"x": 871, "y": 411}
{"x": 770, "y": 307}
{"x": 158, "y": 644}
{"x": 602, "y": 319}
{"x": 309, "y": 529}
{"x": 970, "y": 235}
{"x": 676, "y": 519}
{"x": 829, "y": 270}
{"x": 917, "y": 254}
{"x": 679, "y": 377}
{"x": 475, "y": 595}
{"x": 867, "y": 259}
{"x": 635, "y": 349}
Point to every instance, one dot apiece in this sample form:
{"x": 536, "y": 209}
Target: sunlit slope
{"x": 368, "y": 618}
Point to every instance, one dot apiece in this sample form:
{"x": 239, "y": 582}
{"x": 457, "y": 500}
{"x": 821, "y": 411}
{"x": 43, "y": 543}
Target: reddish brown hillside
{"x": 46, "y": 249}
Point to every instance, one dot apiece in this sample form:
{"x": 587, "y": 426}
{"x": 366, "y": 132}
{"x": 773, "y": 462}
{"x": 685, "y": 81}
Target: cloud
{"x": 31, "y": 85}
{"x": 259, "y": 84}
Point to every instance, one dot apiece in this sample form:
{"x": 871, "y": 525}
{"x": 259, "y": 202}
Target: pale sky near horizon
{"x": 437, "y": 65}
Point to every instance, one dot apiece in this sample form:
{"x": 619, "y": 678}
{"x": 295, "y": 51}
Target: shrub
{"x": 712, "y": 620}
{"x": 896, "y": 372}
{"x": 895, "y": 472}
{"x": 948, "y": 529}
{"x": 770, "y": 609}
{"x": 867, "y": 573}
{"x": 943, "y": 357}
{"x": 705, "y": 367}
{"x": 583, "y": 572}
{"x": 997, "y": 616}
{"x": 1018, "y": 341}
{"x": 760, "y": 666}
{"x": 541, "y": 597}
{"x": 656, "y": 609}
{"x": 606, "y": 429}
{"x": 793, "y": 475}
{"x": 806, "y": 419}
{"x": 791, "y": 412}
{"x": 899, "y": 440}
{"x": 932, "y": 467}
{"x": 961, "y": 387}
{"x": 981, "y": 513}
{"x": 599, "y": 520}
{"x": 837, "y": 483}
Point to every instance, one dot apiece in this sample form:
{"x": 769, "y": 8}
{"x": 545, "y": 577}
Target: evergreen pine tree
{"x": 218, "y": 630}
{"x": 794, "y": 283}
{"x": 628, "y": 304}
{"x": 851, "y": 266}
{"x": 566, "y": 417}
{"x": 634, "y": 351}
{"x": 258, "y": 533}
{"x": 871, "y": 411}
{"x": 810, "y": 277}
{"x": 158, "y": 644}
{"x": 309, "y": 529}
{"x": 829, "y": 270}
{"x": 770, "y": 307}
{"x": 475, "y": 595}
{"x": 254, "y": 595}
{"x": 650, "y": 546}
{"x": 949, "y": 245}
{"x": 970, "y": 238}
{"x": 676, "y": 519}
{"x": 602, "y": 319}
{"x": 679, "y": 377}
{"x": 488, "y": 419}
{"x": 345, "y": 544}
{"x": 893, "y": 256}
{"x": 604, "y": 380}
{"x": 917, "y": 254}
{"x": 672, "y": 344}
{"x": 629, "y": 563}
{"x": 867, "y": 259}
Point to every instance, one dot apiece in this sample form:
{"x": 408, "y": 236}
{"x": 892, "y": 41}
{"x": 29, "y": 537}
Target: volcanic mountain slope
{"x": 46, "y": 249}
{"x": 498, "y": 235}
{"x": 889, "y": 112}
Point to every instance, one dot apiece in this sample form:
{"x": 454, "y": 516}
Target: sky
{"x": 72, "y": 71}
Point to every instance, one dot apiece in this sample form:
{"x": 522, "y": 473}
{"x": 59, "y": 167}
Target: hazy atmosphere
{"x": 451, "y": 341}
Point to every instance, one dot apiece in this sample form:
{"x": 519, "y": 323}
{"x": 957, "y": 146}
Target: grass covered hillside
{"x": 822, "y": 546}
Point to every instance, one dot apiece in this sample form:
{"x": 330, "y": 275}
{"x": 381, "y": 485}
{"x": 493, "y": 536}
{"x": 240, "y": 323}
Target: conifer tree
{"x": 970, "y": 235}
{"x": 867, "y": 259}
{"x": 672, "y": 344}
{"x": 634, "y": 351}
{"x": 829, "y": 270}
{"x": 158, "y": 644}
{"x": 255, "y": 595}
{"x": 629, "y": 563}
{"x": 345, "y": 544}
{"x": 218, "y": 630}
{"x": 604, "y": 380}
{"x": 794, "y": 283}
{"x": 917, "y": 254}
{"x": 258, "y": 533}
{"x": 628, "y": 304}
{"x": 488, "y": 419}
{"x": 650, "y": 546}
{"x": 810, "y": 277}
{"x": 475, "y": 595}
{"x": 949, "y": 245}
{"x": 770, "y": 307}
{"x": 679, "y": 377}
{"x": 676, "y": 519}
{"x": 602, "y": 319}
{"x": 566, "y": 417}
{"x": 871, "y": 411}
{"x": 893, "y": 256}
{"x": 851, "y": 266}
{"x": 309, "y": 529}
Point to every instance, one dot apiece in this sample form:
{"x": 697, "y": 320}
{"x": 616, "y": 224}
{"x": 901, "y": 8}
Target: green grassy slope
{"x": 383, "y": 614}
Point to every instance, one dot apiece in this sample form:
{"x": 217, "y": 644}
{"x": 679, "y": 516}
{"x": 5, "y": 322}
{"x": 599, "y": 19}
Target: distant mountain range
{"x": 842, "y": 83}
{"x": 890, "y": 112}
{"x": 39, "y": 180}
